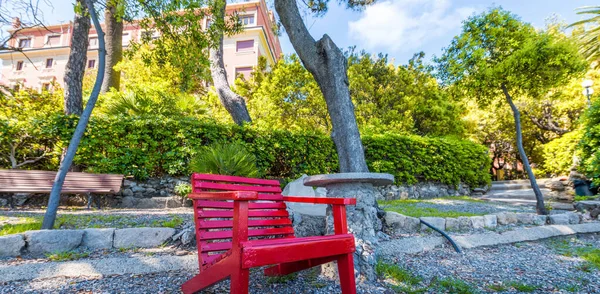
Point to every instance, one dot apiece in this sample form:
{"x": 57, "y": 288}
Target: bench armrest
{"x": 321, "y": 200}
{"x": 230, "y": 195}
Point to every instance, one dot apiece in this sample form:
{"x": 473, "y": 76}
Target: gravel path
{"x": 541, "y": 267}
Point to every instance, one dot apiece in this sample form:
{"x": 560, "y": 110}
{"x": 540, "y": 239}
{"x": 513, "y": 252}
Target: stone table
{"x": 363, "y": 222}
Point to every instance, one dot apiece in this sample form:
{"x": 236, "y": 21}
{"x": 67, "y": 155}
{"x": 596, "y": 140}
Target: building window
{"x": 125, "y": 39}
{"x": 49, "y": 62}
{"x": 244, "y": 46}
{"x": 247, "y": 19}
{"x": 244, "y": 72}
{"x": 25, "y": 43}
{"x": 53, "y": 41}
{"x": 94, "y": 42}
{"x": 19, "y": 65}
{"x": 91, "y": 63}
{"x": 46, "y": 87}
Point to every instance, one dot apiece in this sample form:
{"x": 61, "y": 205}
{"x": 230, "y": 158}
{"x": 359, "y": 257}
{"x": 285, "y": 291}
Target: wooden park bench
{"x": 37, "y": 181}
{"x": 243, "y": 223}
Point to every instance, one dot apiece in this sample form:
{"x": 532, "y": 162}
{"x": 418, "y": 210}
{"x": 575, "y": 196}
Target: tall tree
{"x": 53, "y": 201}
{"x": 328, "y": 65}
{"x": 75, "y": 68}
{"x": 590, "y": 37}
{"x": 113, "y": 23}
{"x": 234, "y": 103}
{"x": 497, "y": 56}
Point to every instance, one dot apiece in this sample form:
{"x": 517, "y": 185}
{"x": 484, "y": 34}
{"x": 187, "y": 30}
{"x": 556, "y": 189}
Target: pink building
{"x": 47, "y": 50}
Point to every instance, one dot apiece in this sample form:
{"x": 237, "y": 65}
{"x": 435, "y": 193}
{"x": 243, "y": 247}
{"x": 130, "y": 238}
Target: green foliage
{"x": 522, "y": 287}
{"x": 454, "y": 285}
{"x": 410, "y": 207}
{"x": 183, "y": 189}
{"x": 282, "y": 279}
{"x": 590, "y": 143}
{"x": 225, "y": 158}
{"x": 405, "y": 99}
{"x": 9, "y": 229}
{"x": 392, "y": 271}
{"x": 153, "y": 146}
{"x": 588, "y": 39}
{"x": 67, "y": 255}
{"x": 558, "y": 153}
{"x": 174, "y": 222}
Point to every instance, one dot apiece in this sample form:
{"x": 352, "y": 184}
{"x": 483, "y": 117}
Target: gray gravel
{"x": 547, "y": 265}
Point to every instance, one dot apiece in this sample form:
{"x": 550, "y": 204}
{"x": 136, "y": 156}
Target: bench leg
{"x": 239, "y": 281}
{"x": 89, "y": 200}
{"x": 346, "y": 270}
{"x": 208, "y": 277}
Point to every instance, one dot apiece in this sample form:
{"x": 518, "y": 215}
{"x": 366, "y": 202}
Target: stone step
{"x": 539, "y": 181}
{"x": 150, "y": 203}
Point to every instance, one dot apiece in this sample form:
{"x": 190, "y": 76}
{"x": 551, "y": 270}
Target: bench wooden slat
{"x": 35, "y": 181}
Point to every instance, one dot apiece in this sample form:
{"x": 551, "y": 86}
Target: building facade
{"x": 46, "y": 50}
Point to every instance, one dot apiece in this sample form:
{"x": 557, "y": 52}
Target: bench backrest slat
{"x": 268, "y": 217}
{"x": 34, "y": 181}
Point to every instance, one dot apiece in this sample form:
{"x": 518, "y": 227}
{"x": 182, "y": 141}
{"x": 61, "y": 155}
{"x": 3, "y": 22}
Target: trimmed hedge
{"x": 153, "y": 146}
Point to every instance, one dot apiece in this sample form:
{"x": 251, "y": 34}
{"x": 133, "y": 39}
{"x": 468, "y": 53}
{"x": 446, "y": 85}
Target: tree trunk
{"x": 234, "y": 103}
{"x": 75, "y": 68}
{"x": 53, "y": 201}
{"x": 540, "y": 207}
{"x": 114, "y": 46}
{"x": 326, "y": 62}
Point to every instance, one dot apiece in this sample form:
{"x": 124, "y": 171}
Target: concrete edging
{"x": 41, "y": 242}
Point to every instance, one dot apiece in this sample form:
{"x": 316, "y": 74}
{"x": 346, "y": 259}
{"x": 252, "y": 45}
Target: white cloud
{"x": 405, "y": 25}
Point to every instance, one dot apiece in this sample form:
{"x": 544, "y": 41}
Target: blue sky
{"x": 401, "y": 28}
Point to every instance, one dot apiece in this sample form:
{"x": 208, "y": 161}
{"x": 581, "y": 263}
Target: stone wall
{"x": 423, "y": 190}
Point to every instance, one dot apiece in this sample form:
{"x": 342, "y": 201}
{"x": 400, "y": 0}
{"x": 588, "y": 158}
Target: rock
{"x": 163, "y": 193}
{"x": 540, "y": 220}
{"x": 555, "y": 185}
{"x": 129, "y": 202}
{"x": 559, "y": 219}
{"x": 506, "y": 218}
{"x": 306, "y": 225}
{"x": 11, "y": 245}
{"x": 398, "y": 223}
{"x": 297, "y": 188}
{"x": 127, "y": 192}
{"x": 383, "y": 236}
{"x": 136, "y": 189}
{"x": 477, "y": 222}
{"x": 574, "y": 218}
{"x": 128, "y": 183}
{"x": 3, "y": 202}
{"x": 464, "y": 223}
{"x": 490, "y": 221}
{"x": 320, "y": 192}
{"x": 150, "y": 190}
{"x": 525, "y": 218}
{"x": 149, "y": 203}
{"x": 594, "y": 213}
{"x": 52, "y": 241}
{"x": 19, "y": 199}
{"x": 479, "y": 190}
{"x": 452, "y": 224}
{"x": 588, "y": 205}
{"x": 562, "y": 206}
{"x": 174, "y": 202}
{"x": 437, "y": 222}
{"x": 142, "y": 237}
{"x": 98, "y": 238}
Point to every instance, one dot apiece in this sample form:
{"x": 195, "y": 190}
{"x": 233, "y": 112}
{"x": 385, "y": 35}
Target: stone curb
{"x": 398, "y": 223}
{"x": 98, "y": 267}
{"x": 421, "y": 244}
{"x": 42, "y": 242}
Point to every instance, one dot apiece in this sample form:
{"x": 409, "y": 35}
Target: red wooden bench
{"x": 243, "y": 223}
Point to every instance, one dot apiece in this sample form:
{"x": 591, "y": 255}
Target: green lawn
{"x": 20, "y": 224}
{"x": 409, "y": 207}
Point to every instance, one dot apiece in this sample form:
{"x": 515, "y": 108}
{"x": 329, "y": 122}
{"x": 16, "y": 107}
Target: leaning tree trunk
{"x": 75, "y": 68}
{"x": 53, "y": 201}
{"x": 326, "y": 62}
{"x": 114, "y": 46}
{"x": 540, "y": 207}
{"x": 234, "y": 103}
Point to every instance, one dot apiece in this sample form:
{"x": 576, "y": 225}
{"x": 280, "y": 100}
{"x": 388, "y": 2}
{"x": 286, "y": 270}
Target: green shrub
{"x": 558, "y": 153}
{"x": 591, "y": 142}
{"x": 183, "y": 189}
{"x": 225, "y": 158}
{"x": 153, "y": 146}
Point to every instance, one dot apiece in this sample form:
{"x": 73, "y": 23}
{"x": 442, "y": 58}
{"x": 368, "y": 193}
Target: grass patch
{"x": 396, "y": 273}
{"x": 174, "y": 222}
{"x": 584, "y": 198}
{"x": 522, "y": 287}
{"x": 453, "y": 285}
{"x": 587, "y": 252}
{"x": 68, "y": 255}
{"x": 409, "y": 207}
{"x": 570, "y": 287}
{"x": 282, "y": 279}
{"x": 9, "y": 229}
{"x": 497, "y": 287}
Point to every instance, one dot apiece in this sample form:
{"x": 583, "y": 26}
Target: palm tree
{"x": 590, "y": 38}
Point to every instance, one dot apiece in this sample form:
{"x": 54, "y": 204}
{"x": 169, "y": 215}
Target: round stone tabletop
{"x": 377, "y": 179}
